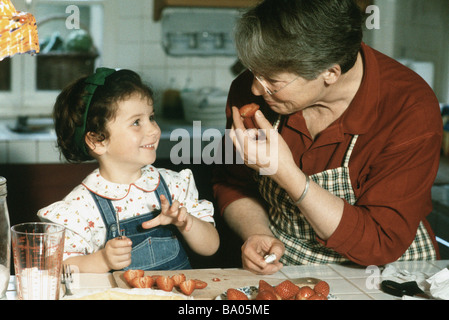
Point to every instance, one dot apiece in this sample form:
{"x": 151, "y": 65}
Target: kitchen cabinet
{"x": 159, "y": 5}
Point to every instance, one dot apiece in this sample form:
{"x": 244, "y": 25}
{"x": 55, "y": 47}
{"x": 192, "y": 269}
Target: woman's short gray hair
{"x": 304, "y": 37}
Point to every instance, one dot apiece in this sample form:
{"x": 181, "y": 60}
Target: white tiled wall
{"x": 418, "y": 30}
{"x": 133, "y": 40}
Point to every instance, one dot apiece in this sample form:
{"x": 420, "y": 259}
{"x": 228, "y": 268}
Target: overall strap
{"x": 107, "y": 212}
{"x": 162, "y": 188}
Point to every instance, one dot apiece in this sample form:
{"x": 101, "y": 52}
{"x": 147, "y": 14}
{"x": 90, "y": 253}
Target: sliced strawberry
{"x": 165, "y": 283}
{"x": 304, "y": 293}
{"x": 286, "y": 289}
{"x": 178, "y": 278}
{"x": 142, "y": 282}
{"x": 200, "y": 284}
{"x": 322, "y": 288}
{"x": 187, "y": 287}
{"x": 131, "y": 274}
{"x": 155, "y": 276}
{"x": 234, "y": 294}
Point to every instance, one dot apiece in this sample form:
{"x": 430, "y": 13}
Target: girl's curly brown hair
{"x": 70, "y": 105}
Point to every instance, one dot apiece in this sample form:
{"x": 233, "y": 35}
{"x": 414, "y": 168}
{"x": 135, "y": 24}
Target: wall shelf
{"x": 159, "y": 5}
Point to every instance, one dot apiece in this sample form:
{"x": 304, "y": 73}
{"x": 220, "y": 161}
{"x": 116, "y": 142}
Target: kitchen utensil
{"x": 270, "y": 258}
{"x": 67, "y": 279}
{"x": 117, "y": 218}
{"x": 38, "y": 248}
{"x": 397, "y": 289}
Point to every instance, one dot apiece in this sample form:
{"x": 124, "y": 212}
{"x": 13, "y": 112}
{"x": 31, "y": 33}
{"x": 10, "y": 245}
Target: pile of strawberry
{"x": 285, "y": 290}
{"x": 138, "y": 279}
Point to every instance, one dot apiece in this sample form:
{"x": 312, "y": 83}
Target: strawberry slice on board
{"x": 187, "y": 287}
{"x": 178, "y": 278}
{"x": 142, "y": 282}
{"x": 131, "y": 274}
{"x": 165, "y": 283}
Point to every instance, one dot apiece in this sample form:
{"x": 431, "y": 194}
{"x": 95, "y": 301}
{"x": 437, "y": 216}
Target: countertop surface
{"x": 347, "y": 282}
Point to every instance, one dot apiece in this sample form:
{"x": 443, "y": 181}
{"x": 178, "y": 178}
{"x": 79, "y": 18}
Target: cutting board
{"x": 218, "y": 280}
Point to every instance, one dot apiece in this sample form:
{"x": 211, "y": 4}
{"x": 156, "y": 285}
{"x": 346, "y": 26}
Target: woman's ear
{"x": 332, "y": 74}
{"x": 95, "y": 143}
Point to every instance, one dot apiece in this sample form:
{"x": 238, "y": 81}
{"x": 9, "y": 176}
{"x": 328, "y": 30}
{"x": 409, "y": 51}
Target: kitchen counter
{"x": 347, "y": 282}
{"x": 40, "y": 147}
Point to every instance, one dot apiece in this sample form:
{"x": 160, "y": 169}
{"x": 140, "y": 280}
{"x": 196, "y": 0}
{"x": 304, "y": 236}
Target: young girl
{"x": 125, "y": 214}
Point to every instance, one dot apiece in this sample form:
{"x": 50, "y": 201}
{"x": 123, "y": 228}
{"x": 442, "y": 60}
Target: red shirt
{"x": 392, "y": 167}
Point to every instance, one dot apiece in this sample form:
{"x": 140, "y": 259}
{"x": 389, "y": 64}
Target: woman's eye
{"x": 152, "y": 118}
{"x": 136, "y": 123}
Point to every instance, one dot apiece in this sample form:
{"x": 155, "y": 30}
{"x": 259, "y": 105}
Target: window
{"x": 5, "y": 74}
{"x": 29, "y": 84}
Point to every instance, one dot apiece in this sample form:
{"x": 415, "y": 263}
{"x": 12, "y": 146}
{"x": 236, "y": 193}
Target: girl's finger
{"x": 165, "y": 204}
{"x": 152, "y": 223}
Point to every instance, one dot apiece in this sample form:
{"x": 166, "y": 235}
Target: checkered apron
{"x": 289, "y": 225}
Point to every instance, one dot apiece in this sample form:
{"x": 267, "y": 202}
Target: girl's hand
{"x": 117, "y": 253}
{"x": 173, "y": 214}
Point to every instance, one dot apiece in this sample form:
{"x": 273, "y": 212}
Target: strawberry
{"x": 187, "y": 287}
{"x": 142, "y": 282}
{"x": 165, "y": 283}
{"x": 200, "y": 284}
{"x": 304, "y": 293}
{"x": 322, "y": 288}
{"x": 317, "y": 296}
{"x": 263, "y": 285}
{"x": 178, "y": 278}
{"x": 248, "y": 110}
{"x": 286, "y": 289}
{"x": 234, "y": 294}
{"x": 266, "y": 295}
{"x": 131, "y": 274}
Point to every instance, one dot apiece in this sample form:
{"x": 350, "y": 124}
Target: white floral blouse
{"x": 85, "y": 229}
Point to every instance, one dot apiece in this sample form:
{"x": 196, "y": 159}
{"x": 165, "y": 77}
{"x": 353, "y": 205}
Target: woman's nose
{"x": 257, "y": 88}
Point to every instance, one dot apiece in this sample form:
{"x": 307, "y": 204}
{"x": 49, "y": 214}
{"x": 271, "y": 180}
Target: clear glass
{"x": 5, "y": 241}
{"x": 38, "y": 248}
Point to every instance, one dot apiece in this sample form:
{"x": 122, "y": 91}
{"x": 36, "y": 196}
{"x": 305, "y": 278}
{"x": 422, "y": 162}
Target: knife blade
{"x": 397, "y": 289}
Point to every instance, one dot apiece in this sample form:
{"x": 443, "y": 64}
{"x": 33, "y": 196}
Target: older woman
{"x": 358, "y": 145}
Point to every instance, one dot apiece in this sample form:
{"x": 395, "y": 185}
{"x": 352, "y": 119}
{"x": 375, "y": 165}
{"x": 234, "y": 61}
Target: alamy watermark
{"x": 73, "y": 20}
{"x": 373, "y": 19}
{"x": 253, "y": 146}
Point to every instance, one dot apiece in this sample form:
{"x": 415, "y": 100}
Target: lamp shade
{"x": 18, "y": 31}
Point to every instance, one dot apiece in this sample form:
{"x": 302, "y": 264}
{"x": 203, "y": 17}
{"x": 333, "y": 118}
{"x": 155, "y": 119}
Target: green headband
{"x": 92, "y": 82}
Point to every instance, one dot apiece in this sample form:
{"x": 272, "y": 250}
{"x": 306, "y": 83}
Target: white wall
{"x": 133, "y": 40}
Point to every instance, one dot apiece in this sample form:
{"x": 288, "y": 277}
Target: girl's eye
{"x": 152, "y": 118}
{"x": 136, "y": 123}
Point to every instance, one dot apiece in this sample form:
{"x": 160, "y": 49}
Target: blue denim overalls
{"x": 152, "y": 249}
